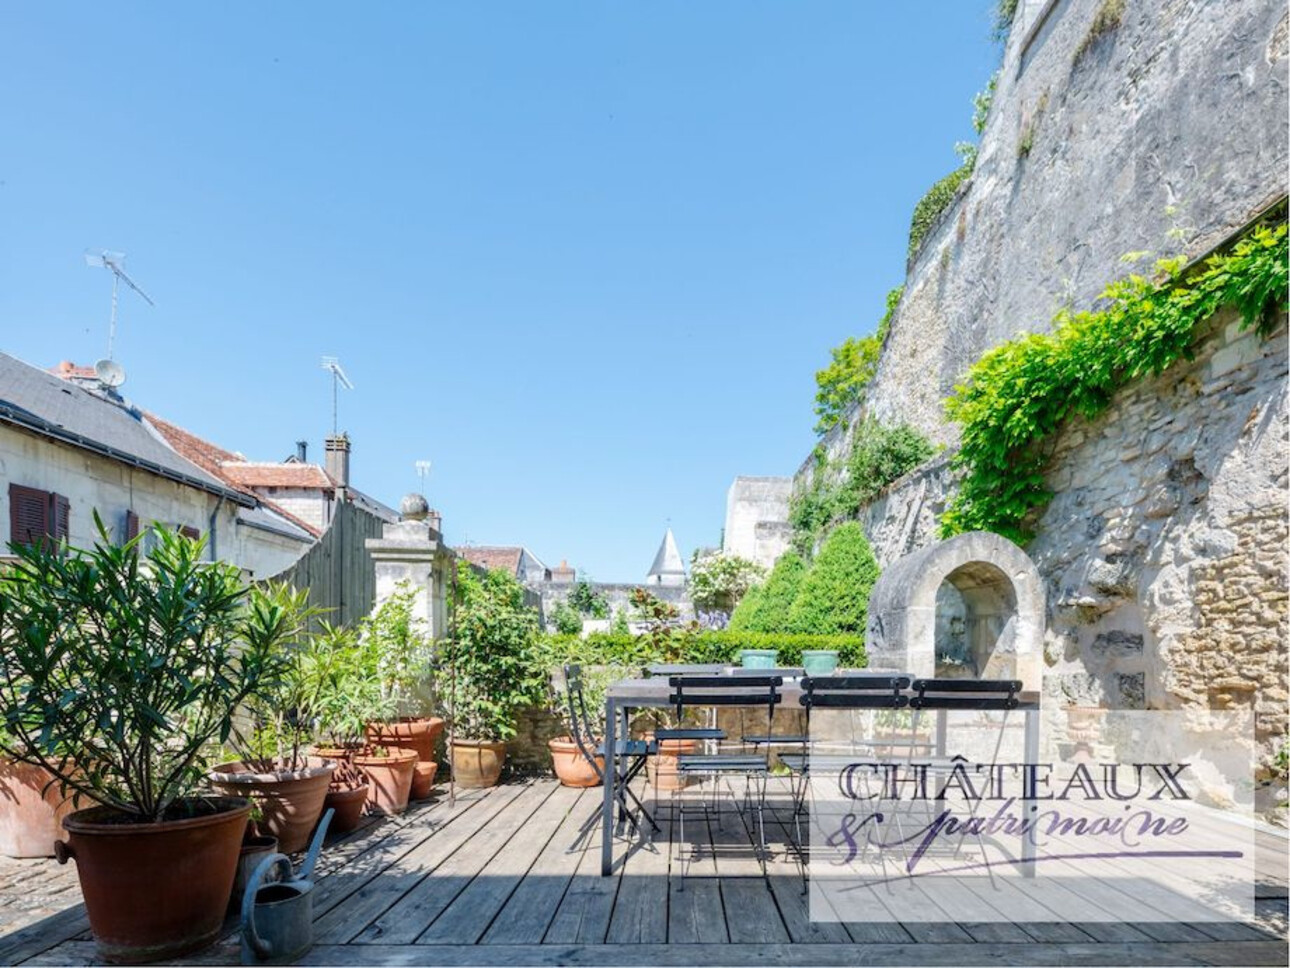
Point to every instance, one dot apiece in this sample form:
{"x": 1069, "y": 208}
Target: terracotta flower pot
{"x": 390, "y": 778}
{"x": 348, "y": 805}
{"x": 31, "y": 810}
{"x": 254, "y": 849}
{"x": 290, "y": 801}
{"x": 418, "y": 733}
{"x": 571, "y": 766}
{"x": 155, "y": 891}
{"x": 337, "y": 753}
{"x": 476, "y": 763}
{"x": 662, "y": 769}
{"x": 423, "y": 779}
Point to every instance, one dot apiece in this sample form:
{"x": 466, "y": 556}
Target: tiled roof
{"x": 47, "y": 404}
{"x": 494, "y": 559}
{"x": 201, "y": 452}
{"x": 247, "y": 474}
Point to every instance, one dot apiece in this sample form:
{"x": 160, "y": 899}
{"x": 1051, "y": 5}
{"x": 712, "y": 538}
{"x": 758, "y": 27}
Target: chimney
{"x": 302, "y": 451}
{"x": 337, "y": 460}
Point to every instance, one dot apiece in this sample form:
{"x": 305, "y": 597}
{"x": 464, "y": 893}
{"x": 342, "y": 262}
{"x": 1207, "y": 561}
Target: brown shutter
{"x": 189, "y": 532}
{"x": 131, "y": 525}
{"x": 29, "y": 514}
{"x": 62, "y": 517}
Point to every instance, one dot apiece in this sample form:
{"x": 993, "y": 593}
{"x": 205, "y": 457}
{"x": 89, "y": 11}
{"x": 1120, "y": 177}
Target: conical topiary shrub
{"x": 834, "y": 596}
{"x": 768, "y": 611}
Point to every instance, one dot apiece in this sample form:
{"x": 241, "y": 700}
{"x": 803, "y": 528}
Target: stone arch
{"x": 1003, "y": 596}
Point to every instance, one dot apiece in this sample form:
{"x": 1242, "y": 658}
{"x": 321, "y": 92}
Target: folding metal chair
{"x": 593, "y": 750}
{"x": 726, "y": 690}
{"x": 846, "y": 692}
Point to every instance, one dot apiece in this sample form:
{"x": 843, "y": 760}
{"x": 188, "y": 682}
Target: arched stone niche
{"x": 978, "y": 594}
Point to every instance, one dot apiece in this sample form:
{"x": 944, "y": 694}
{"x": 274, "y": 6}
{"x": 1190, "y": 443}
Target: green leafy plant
{"x": 719, "y": 580}
{"x": 665, "y": 634}
{"x": 403, "y": 648}
{"x": 490, "y": 667}
{"x": 1109, "y": 16}
{"x": 341, "y": 685}
{"x": 588, "y": 601}
{"x": 630, "y": 653}
{"x": 880, "y": 454}
{"x": 619, "y": 625}
{"x": 834, "y": 597}
{"x": 1019, "y": 394}
{"x": 566, "y": 618}
{"x": 766, "y": 607}
{"x": 1005, "y": 12}
{"x": 938, "y": 198}
{"x": 120, "y": 671}
{"x": 852, "y": 366}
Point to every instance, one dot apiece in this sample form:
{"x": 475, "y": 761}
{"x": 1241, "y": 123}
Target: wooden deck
{"x": 489, "y": 880}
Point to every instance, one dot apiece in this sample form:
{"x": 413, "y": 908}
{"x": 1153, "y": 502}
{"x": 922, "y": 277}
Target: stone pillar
{"x": 412, "y": 550}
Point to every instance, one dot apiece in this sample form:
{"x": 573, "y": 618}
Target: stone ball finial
{"x": 413, "y": 507}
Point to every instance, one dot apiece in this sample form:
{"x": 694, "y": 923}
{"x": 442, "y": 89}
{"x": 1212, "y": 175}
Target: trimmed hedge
{"x": 765, "y": 608}
{"x": 603, "y": 648}
{"x": 834, "y": 599}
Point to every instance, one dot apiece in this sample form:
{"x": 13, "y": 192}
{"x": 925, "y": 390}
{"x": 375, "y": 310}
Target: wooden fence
{"x": 338, "y": 569}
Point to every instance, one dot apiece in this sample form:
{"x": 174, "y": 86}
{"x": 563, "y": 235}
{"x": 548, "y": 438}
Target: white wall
{"x": 91, "y": 483}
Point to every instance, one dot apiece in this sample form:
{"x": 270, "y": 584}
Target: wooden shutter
{"x": 131, "y": 525}
{"x": 62, "y": 517}
{"x": 29, "y": 514}
{"x": 189, "y": 532}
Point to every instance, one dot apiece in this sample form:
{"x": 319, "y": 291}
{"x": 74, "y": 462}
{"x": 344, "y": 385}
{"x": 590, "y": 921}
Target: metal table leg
{"x": 611, "y": 777}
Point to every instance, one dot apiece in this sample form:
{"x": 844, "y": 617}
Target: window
{"x": 36, "y": 515}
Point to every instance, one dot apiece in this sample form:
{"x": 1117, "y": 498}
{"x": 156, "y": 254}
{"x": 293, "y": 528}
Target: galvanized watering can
{"x": 278, "y": 918}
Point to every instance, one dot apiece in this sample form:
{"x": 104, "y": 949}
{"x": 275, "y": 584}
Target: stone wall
{"x": 1164, "y": 549}
{"x": 1164, "y": 134}
{"x": 757, "y": 518}
{"x": 617, "y": 594}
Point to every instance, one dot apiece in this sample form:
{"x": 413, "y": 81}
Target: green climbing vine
{"x": 1018, "y": 394}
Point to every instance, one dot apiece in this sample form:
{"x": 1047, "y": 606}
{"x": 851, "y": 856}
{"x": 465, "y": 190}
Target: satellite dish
{"x": 109, "y": 372}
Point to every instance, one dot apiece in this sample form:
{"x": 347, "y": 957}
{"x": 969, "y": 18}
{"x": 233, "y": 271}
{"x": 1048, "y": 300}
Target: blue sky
{"x": 585, "y": 257}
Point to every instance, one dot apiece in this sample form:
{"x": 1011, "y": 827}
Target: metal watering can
{"x": 278, "y": 918}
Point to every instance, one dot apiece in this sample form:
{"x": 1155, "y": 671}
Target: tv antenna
{"x": 338, "y": 379}
{"x": 423, "y": 472}
{"x": 103, "y": 259}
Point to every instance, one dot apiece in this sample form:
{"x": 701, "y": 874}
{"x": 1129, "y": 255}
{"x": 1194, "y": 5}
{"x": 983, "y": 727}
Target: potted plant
{"x": 273, "y": 771}
{"x": 342, "y": 694}
{"x": 489, "y": 671}
{"x": 118, "y": 671}
{"x": 404, "y": 656}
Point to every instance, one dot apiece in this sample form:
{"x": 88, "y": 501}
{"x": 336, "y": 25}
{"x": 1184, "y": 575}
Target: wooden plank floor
{"x": 499, "y": 877}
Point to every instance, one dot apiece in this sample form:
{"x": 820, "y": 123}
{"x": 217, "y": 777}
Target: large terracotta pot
{"x": 476, "y": 763}
{"x": 348, "y": 805}
{"x": 423, "y": 779}
{"x": 662, "y": 769}
{"x": 290, "y": 801}
{"x": 154, "y": 891}
{"x": 571, "y": 766}
{"x": 390, "y": 778}
{"x": 417, "y": 733}
{"x": 31, "y": 810}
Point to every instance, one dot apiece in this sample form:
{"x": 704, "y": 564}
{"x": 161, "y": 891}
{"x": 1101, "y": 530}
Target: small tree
{"x": 491, "y": 661}
{"x": 566, "y": 619}
{"x": 588, "y": 601}
{"x": 719, "y": 580}
{"x": 769, "y": 605}
{"x": 834, "y": 597}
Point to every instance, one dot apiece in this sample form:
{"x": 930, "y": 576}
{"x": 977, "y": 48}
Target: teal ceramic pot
{"x": 758, "y": 658}
{"x": 819, "y": 662}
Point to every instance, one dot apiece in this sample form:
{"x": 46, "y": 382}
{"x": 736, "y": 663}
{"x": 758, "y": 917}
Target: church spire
{"x": 668, "y": 569}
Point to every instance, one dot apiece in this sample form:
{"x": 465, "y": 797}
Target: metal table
{"x": 627, "y": 694}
